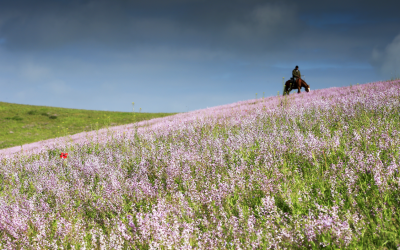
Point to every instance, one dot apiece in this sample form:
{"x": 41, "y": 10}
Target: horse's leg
{"x": 299, "y": 85}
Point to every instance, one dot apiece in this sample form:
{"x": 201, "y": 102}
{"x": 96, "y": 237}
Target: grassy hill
{"x": 318, "y": 170}
{"x": 21, "y": 124}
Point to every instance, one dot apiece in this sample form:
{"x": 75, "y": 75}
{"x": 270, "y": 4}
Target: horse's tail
{"x": 286, "y": 88}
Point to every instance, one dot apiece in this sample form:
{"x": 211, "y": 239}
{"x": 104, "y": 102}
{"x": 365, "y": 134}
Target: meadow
{"x": 22, "y": 124}
{"x": 306, "y": 171}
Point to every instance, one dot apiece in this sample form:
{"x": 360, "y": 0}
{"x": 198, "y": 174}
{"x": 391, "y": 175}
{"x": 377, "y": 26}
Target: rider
{"x": 296, "y": 74}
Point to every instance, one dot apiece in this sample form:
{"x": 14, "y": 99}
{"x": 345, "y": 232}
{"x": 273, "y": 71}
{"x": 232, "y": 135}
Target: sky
{"x": 184, "y": 55}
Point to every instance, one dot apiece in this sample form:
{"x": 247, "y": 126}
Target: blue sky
{"x": 183, "y": 55}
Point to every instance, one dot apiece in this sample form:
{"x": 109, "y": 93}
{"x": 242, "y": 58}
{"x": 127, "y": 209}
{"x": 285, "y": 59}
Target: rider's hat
{"x": 297, "y": 66}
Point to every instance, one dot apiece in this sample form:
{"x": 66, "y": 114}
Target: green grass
{"x": 22, "y": 124}
{"x": 336, "y": 180}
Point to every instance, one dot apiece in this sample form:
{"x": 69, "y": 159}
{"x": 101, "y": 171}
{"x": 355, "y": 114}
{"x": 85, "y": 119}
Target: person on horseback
{"x": 296, "y": 74}
{"x": 291, "y": 84}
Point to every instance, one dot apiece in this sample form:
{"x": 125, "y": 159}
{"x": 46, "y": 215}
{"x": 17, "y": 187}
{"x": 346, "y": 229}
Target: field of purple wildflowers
{"x": 311, "y": 170}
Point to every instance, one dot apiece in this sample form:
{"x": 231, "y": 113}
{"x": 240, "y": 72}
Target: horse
{"x": 289, "y": 86}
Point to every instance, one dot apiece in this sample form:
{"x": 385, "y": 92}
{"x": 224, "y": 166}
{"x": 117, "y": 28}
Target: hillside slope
{"x": 21, "y": 124}
{"x": 318, "y": 169}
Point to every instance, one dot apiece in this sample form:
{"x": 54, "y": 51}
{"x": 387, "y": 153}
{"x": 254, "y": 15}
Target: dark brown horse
{"x": 289, "y": 86}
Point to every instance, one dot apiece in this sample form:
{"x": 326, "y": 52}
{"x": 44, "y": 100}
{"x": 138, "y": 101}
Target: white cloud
{"x": 108, "y": 86}
{"x": 58, "y": 87}
{"x": 388, "y": 60}
{"x": 21, "y": 95}
{"x": 266, "y": 20}
{"x": 34, "y": 72}
{"x": 271, "y": 15}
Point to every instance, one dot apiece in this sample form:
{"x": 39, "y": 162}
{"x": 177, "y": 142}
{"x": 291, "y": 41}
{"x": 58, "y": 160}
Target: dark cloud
{"x": 51, "y": 24}
{"x": 388, "y": 60}
{"x": 235, "y": 25}
{"x": 65, "y": 51}
{"x": 345, "y": 29}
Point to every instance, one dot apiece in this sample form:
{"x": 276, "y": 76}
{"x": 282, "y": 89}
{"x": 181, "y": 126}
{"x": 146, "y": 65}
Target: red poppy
{"x": 63, "y": 155}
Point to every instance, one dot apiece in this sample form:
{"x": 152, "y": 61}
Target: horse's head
{"x": 305, "y": 85}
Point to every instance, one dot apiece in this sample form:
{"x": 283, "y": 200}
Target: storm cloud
{"x": 180, "y": 55}
{"x": 388, "y": 60}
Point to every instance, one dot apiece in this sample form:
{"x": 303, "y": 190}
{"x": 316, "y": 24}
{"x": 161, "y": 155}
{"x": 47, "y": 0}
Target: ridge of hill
{"x": 21, "y": 124}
